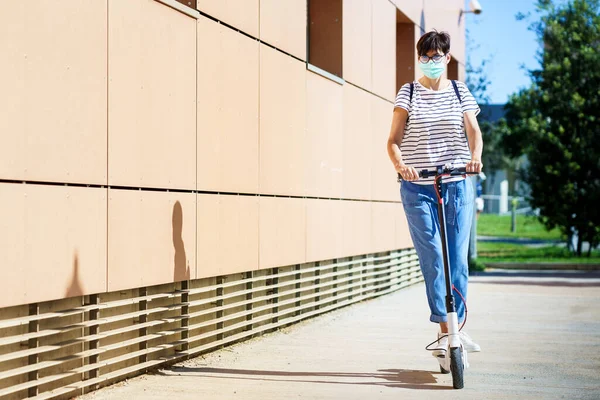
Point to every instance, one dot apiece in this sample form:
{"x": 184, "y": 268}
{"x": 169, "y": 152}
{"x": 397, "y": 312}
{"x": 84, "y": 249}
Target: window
{"x": 325, "y": 35}
{"x": 189, "y": 3}
{"x": 453, "y": 69}
{"x": 405, "y": 50}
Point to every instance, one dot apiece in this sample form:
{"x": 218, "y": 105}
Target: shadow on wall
{"x": 75, "y": 287}
{"x": 181, "y": 271}
{"x": 423, "y": 19}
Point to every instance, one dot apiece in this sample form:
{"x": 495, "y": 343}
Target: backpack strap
{"x": 412, "y": 89}
{"x": 460, "y": 101}
{"x": 456, "y": 91}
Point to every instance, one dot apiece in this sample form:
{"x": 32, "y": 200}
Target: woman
{"x": 427, "y": 131}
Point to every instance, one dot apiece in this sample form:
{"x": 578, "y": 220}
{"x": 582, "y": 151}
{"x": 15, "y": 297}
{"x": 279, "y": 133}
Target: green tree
{"x": 556, "y": 121}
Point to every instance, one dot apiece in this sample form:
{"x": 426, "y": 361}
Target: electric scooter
{"x": 455, "y": 360}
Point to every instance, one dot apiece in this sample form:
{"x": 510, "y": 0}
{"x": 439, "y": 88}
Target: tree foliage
{"x": 556, "y": 121}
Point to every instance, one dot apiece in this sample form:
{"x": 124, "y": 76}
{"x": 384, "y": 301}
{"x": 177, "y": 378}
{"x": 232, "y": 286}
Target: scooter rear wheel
{"x": 457, "y": 368}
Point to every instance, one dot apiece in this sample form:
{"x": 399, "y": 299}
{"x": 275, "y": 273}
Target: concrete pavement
{"x": 540, "y": 336}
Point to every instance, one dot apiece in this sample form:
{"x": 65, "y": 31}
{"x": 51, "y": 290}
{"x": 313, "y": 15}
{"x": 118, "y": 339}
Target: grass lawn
{"x": 527, "y": 227}
{"x": 509, "y": 252}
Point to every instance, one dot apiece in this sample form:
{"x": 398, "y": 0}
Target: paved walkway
{"x": 540, "y": 336}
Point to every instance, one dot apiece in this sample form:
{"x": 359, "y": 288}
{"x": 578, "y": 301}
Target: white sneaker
{"x": 441, "y": 345}
{"x": 468, "y": 343}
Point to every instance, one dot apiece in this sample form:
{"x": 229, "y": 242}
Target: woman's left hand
{"x": 474, "y": 166}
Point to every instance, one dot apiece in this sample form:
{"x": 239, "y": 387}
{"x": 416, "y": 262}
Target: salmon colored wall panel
{"x": 238, "y": 241}
{"x": 208, "y": 235}
{"x": 324, "y": 222}
{"x": 283, "y": 25}
{"x": 282, "y": 231}
{"x": 383, "y": 175}
{"x": 412, "y": 9}
{"x": 384, "y": 49}
{"x": 241, "y": 14}
{"x": 403, "y": 239}
{"x": 324, "y": 123}
{"x": 227, "y": 234}
{"x": 357, "y": 42}
{"x": 282, "y": 123}
{"x": 13, "y": 229}
{"x": 53, "y": 84}
{"x": 53, "y": 242}
{"x": 357, "y": 143}
{"x": 356, "y": 227}
{"x": 227, "y": 109}
{"x": 383, "y": 226}
{"x": 151, "y": 238}
{"x": 152, "y": 95}
{"x": 444, "y": 15}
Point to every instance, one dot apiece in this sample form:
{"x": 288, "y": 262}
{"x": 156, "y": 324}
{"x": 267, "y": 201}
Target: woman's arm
{"x": 393, "y": 145}
{"x": 475, "y": 142}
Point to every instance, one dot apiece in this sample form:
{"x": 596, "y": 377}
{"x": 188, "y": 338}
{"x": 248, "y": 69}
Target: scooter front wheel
{"x": 457, "y": 368}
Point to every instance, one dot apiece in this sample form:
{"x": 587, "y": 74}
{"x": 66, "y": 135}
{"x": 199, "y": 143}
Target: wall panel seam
{"x": 258, "y": 229}
{"x": 370, "y": 92}
{"x": 198, "y": 13}
{"x": 107, "y": 135}
{"x": 196, "y": 191}
{"x": 209, "y": 192}
{"x": 238, "y": 30}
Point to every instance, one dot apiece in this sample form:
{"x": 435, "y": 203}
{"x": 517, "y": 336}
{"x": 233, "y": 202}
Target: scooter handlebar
{"x": 445, "y": 171}
{"x": 425, "y": 173}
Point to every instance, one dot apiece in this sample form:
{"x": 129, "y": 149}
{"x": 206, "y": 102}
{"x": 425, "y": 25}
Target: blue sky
{"x": 498, "y": 36}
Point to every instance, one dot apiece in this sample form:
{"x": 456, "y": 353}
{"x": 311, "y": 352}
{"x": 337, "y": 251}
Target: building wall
{"x": 143, "y": 145}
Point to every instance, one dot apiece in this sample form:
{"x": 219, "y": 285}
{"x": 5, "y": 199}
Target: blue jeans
{"x": 420, "y": 207}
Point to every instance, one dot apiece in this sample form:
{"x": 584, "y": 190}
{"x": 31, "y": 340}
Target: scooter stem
{"x": 453, "y": 336}
{"x": 450, "y": 302}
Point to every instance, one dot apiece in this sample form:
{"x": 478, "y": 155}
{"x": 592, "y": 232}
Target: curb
{"x": 544, "y": 266}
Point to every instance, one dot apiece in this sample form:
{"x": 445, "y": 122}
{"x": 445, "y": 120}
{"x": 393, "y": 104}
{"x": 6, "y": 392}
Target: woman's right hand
{"x": 407, "y": 173}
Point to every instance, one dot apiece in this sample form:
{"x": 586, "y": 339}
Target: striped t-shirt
{"x": 435, "y": 134}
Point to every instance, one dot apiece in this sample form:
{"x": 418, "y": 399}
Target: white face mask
{"x": 432, "y": 70}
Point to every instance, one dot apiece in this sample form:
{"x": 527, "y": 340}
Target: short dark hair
{"x": 433, "y": 40}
